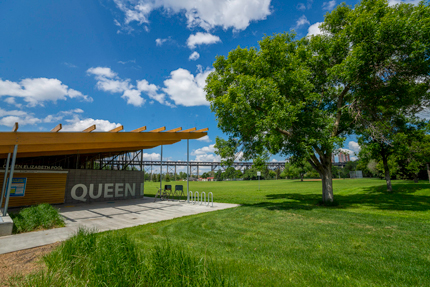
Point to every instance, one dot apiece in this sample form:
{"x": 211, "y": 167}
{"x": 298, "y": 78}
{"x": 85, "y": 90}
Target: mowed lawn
{"x": 280, "y": 236}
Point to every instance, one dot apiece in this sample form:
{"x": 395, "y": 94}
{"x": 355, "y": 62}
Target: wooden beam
{"x": 158, "y": 130}
{"x": 174, "y": 130}
{"x": 90, "y": 129}
{"x": 87, "y": 151}
{"x": 202, "y": 130}
{"x": 15, "y": 127}
{"x": 188, "y": 130}
{"x": 57, "y": 128}
{"x": 139, "y": 130}
{"x": 29, "y": 138}
{"x": 83, "y": 147}
{"x": 117, "y": 129}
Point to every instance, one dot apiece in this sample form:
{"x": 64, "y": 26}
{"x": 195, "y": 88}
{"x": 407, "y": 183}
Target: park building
{"x": 78, "y": 167}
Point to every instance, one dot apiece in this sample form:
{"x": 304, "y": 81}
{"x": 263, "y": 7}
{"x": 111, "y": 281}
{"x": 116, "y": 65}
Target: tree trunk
{"x": 428, "y": 172}
{"x": 415, "y": 177}
{"x": 301, "y": 177}
{"x": 327, "y": 185}
{"x": 323, "y": 165}
{"x": 387, "y": 171}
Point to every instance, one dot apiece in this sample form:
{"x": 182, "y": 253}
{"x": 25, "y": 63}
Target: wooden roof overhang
{"x": 55, "y": 143}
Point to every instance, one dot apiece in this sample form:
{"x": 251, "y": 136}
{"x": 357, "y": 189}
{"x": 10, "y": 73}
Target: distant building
{"x": 206, "y": 179}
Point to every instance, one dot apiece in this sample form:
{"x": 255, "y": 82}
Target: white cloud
{"x": 301, "y": 7}
{"x": 236, "y": 14}
{"x": 208, "y": 157}
{"x": 194, "y": 56}
{"x": 329, "y": 5}
{"x": 182, "y": 87}
{"x": 302, "y": 22}
{"x": 126, "y": 62}
{"x": 70, "y": 65}
{"x": 9, "y": 121}
{"x": 77, "y": 124}
{"x": 274, "y": 160}
{"x": 160, "y": 42}
{"x": 204, "y": 150}
{"x": 39, "y": 90}
{"x": 354, "y": 146}
{"x": 11, "y": 101}
{"x": 133, "y": 98}
{"x": 114, "y": 86}
{"x": 309, "y": 4}
{"x": 151, "y": 90}
{"x": 202, "y": 38}
{"x": 102, "y": 72}
{"x": 207, "y": 153}
{"x": 9, "y": 118}
{"x": 314, "y": 29}
{"x": 395, "y": 2}
{"x": 151, "y": 156}
{"x": 205, "y": 139}
{"x": 186, "y": 89}
{"x": 108, "y": 81}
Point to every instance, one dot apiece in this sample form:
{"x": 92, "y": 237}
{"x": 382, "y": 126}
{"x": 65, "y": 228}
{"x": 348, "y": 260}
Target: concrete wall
{"x": 84, "y": 185}
{"x": 6, "y": 225}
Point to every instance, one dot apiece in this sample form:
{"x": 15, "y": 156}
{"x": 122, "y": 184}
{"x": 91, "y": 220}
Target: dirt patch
{"x": 23, "y": 262}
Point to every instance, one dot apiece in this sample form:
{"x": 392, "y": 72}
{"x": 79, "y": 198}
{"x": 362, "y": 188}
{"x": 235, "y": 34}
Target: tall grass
{"x": 42, "y": 216}
{"x": 112, "y": 259}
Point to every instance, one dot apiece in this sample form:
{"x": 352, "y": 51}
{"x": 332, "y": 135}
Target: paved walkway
{"x": 106, "y": 216}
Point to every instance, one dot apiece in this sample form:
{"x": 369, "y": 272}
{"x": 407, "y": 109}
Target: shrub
{"x": 42, "y": 216}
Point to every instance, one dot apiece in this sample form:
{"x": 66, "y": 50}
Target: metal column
{"x": 12, "y": 167}
{"x": 143, "y": 170}
{"x": 4, "y": 180}
{"x": 188, "y": 170}
{"x": 161, "y": 167}
{"x": 141, "y": 160}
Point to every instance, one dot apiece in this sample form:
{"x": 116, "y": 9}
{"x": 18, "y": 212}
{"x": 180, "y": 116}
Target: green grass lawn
{"x": 279, "y": 236}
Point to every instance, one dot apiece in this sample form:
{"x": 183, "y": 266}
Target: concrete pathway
{"x": 106, "y": 216}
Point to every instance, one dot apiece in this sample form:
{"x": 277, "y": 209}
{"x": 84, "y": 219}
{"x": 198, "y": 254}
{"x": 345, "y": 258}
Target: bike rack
{"x": 191, "y": 196}
{"x": 210, "y": 193}
{"x": 196, "y": 197}
{"x": 203, "y": 199}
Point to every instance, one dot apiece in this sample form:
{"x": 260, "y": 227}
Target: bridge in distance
{"x": 136, "y": 161}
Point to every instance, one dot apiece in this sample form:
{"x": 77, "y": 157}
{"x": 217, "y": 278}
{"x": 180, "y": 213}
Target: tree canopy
{"x": 302, "y": 97}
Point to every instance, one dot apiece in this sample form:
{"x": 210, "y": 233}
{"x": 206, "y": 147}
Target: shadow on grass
{"x": 402, "y": 198}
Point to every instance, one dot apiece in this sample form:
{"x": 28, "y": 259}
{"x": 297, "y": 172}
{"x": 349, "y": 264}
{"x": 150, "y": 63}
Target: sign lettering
{"x": 45, "y": 167}
{"x": 107, "y": 190}
{"x": 83, "y": 195}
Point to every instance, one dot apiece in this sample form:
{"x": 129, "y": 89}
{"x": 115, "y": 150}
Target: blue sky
{"x": 135, "y": 63}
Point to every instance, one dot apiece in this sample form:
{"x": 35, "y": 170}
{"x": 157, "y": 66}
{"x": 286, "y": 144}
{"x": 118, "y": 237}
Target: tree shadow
{"x": 402, "y": 199}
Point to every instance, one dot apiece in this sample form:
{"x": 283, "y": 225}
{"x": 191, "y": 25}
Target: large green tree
{"x": 302, "y": 97}
{"x": 396, "y": 137}
{"x": 404, "y": 148}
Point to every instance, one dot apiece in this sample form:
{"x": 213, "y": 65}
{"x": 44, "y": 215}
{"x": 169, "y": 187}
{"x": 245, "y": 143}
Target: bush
{"x": 42, "y": 216}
